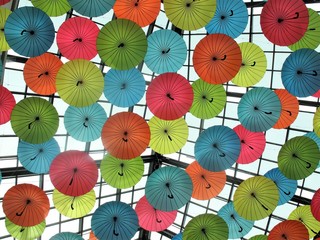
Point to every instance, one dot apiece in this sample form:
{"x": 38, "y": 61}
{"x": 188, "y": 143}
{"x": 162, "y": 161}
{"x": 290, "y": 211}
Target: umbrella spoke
{"x": 240, "y": 228}
{"x": 114, "y": 226}
{"x": 36, "y": 119}
{"x": 121, "y": 170}
{"x": 280, "y": 20}
{"x": 40, "y": 151}
{"x": 24, "y": 208}
{"x": 209, "y": 185}
{"x": 169, "y": 195}
{"x": 253, "y": 195}
{"x": 157, "y": 219}
{"x": 308, "y": 163}
{"x": 314, "y": 73}
{"x": 221, "y": 154}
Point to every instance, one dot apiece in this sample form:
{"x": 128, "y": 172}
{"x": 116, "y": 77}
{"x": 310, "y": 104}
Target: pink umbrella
{"x": 7, "y": 102}
{"x": 152, "y": 219}
{"x": 252, "y": 144}
{"x": 315, "y": 205}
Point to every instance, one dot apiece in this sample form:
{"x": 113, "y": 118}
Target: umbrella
{"x": 286, "y": 187}
{"x": 76, "y": 38}
{"x": 284, "y": 22}
{"x": 124, "y": 88}
{"x": 217, "y": 58}
{"x": 238, "y": 226}
{"x": 25, "y": 233}
{"x": 7, "y": 103}
{"x": 34, "y": 120}
{"x": 85, "y": 123}
{"x": 168, "y": 188}
{"x": 189, "y": 15}
{"x": 314, "y": 137}
{"x": 25, "y": 205}
{"x": 37, "y": 158}
{"x": 169, "y": 96}
{"x": 300, "y": 72}
{"x": 114, "y": 220}
{"x": 256, "y": 198}
{"x": 168, "y": 136}
{"x": 253, "y": 66}
{"x": 152, "y": 219}
{"x": 177, "y": 236}
{"x": 74, "y": 207}
{"x": 298, "y": 157}
{"x": 66, "y": 236}
{"x": 230, "y": 18}
{"x": 4, "y": 14}
{"x": 53, "y": 8}
{"x": 206, "y": 226}
{"x": 259, "y": 237}
{"x": 289, "y": 229}
{"x": 120, "y": 173}
{"x": 122, "y": 44}
{"x": 209, "y": 99}
{"x": 40, "y": 73}
{"x": 252, "y": 144}
{"x": 317, "y": 94}
{"x": 79, "y": 83}
{"x": 125, "y": 135}
{"x": 73, "y": 173}
{"x": 206, "y": 184}
{"x": 29, "y": 31}
{"x": 166, "y": 52}
{"x": 315, "y": 205}
{"x": 289, "y": 109}
{"x": 259, "y": 109}
{"x": 2, "y": 2}
{"x": 217, "y": 148}
{"x": 142, "y": 12}
{"x": 92, "y": 236}
{"x": 316, "y": 122}
{"x": 92, "y": 8}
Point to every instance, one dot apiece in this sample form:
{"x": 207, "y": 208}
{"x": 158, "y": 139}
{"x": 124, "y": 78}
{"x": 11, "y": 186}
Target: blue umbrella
{"x": 314, "y": 137}
{"x": 66, "y": 236}
{"x": 166, "y": 52}
{"x": 124, "y": 88}
{"x": 230, "y": 18}
{"x": 85, "y": 123}
{"x": 114, "y": 221}
{"x": 29, "y": 31}
{"x": 301, "y": 71}
{"x": 177, "y": 237}
{"x": 238, "y": 226}
{"x": 217, "y": 148}
{"x": 168, "y": 188}
{"x": 37, "y": 158}
{"x": 92, "y": 8}
{"x": 259, "y": 109}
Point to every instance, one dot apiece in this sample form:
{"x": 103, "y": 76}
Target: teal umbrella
{"x": 92, "y": 8}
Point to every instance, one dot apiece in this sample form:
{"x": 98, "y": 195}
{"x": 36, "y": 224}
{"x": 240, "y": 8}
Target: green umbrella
{"x": 209, "y": 99}
{"x": 298, "y": 157}
{"x": 52, "y": 7}
{"x": 4, "y": 14}
{"x": 259, "y": 237}
{"x": 316, "y": 122}
{"x": 34, "y": 120}
{"x": 122, "y": 44}
{"x": 25, "y": 233}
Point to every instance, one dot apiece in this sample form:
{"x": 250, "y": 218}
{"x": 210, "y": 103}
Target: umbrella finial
{"x": 121, "y": 170}
{"x": 125, "y": 134}
{"x": 169, "y": 195}
{"x": 25, "y": 206}
{"x": 165, "y": 51}
{"x": 36, "y": 119}
{"x": 136, "y": 3}
{"x": 253, "y": 195}
{"x": 22, "y": 229}
{"x": 203, "y": 230}
{"x": 121, "y": 45}
{"x": 209, "y": 185}
{"x": 308, "y": 163}
{"x": 284, "y": 236}
{"x": 241, "y": 229}
{"x": 114, "y": 226}
{"x": 169, "y": 96}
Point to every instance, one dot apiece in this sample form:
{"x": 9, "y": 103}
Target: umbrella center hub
{"x": 223, "y": 17}
{"x": 280, "y": 20}
{"x": 75, "y": 170}
{"x": 215, "y": 145}
{"x": 123, "y": 86}
{"x": 299, "y": 72}
{"x": 31, "y": 32}
{"x": 121, "y": 45}
{"x": 40, "y": 150}
{"x": 28, "y": 201}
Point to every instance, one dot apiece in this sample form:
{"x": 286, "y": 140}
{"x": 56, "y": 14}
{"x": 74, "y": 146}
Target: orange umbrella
{"x": 289, "y": 229}
{"x": 92, "y": 236}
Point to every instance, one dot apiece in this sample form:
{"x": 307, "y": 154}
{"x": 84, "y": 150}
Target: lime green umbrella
{"x": 52, "y": 7}
{"x": 209, "y": 99}
{"x": 122, "y": 44}
{"x": 120, "y": 173}
{"x": 316, "y": 122}
{"x": 34, "y": 120}
{"x": 253, "y": 67}
{"x": 259, "y": 237}
{"x": 4, "y": 14}
{"x": 25, "y": 233}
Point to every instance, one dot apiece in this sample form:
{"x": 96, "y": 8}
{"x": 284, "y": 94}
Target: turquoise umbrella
{"x": 92, "y": 8}
{"x": 177, "y": 237}
{"x": 66, "y": 236}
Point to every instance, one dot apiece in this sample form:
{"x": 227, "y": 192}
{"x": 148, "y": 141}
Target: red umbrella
{"x": 169, "y": 96}
{"x": 315, "y": 205}
{"x": 7, "y": 103}
{"x": 289, "y": 229}
{"x": 73, "y": 173}
{"x": 2, "y": 2}
{"x": 284, "y": 22}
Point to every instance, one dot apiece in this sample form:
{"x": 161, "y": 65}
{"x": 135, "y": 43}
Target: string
{"x": 40, "y": 151}
{"x": 204, "y": 97}
{"x": 314, "y": 73}
{"x": 157, "y": 219}
{"x": 74, "y": 172}
{"x": 31, "y": 32}
{"x": 221, "y": 154}
{"x": 257, "y": 109}
{"x": 45, "y": 73}
{"x": 36, "y": 119}
{"x": 166, "y": 132}
{"x": 209, "y": 185}
{"x": 171, "y": 195}
{"x": 114, "y": 226}
{"x": 86, "y": 122}
{"x": 308, "y": 163}
{"x": 121, "y": 169}
{"x": 169, "y": 96}
{"x": 280, "y": 20}
{"x": 222, "y": 59}
{"x": 25, "y": 206}
{"x": 241, "y": 229}
{"x": 72, "y": 203}
{"x": 253, "y": 195}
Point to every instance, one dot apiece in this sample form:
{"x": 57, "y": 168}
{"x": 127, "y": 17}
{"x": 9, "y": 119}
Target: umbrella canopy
{"x": 142, "y": 12}
{"x": 34, "y": 120}
{"x": 92, "y": 8}
{"x": 66, "y": 236}
{"x": 238, "y": 226}
{"x": 40, "y": 73}
{"x": 169, "y": 96}
{"x": 314, "y": 137}
{"x": 25, "y": 233}
{"x": 315, "y": 205}
{"x": 125, "y": 135}
{"x": 120, "y": 173}
{"x": 298, "y": 157}
{"x": 73, "y": 173}
{"x": 2, "y": 2}
{"x": 4, "y": 14}
{"x": 76, "y": 38}
{"x": 79, "y": 83}
{"x": 168, "y": 136}
{"x": 177, "y": 237}
{"x": 259, "y": 237}
{"x": 217, "y": 58}
{"x": 122, "y": 44}
{"x": 7, "y": 103}
{"x": 289, "y": 229}
{"x": 217, "y": 148}
{"x": 259, "y": 109}
{"x": 92, "y": 236}
{"x": 166, "y": 52}
{"x": 115, "y": 221}
{"x": 206, "y": 226}
{"x": 256, "y": 198}
{"x": 124, "y": 88}
{"x": 300, "y": 72}
{"x": 152, "y": 219}
{"x": 37, "y": 158}
{"x": 25, "y": 205}
{"x": 206, "y": 184}
{"x": 29, "y": 31}
{"x": 53, "y": 8}
{"x": 85, "y": 123}
{"x": 316, "y": 122}
{"x": 230, "y": 18}
{"x": 252, "y": 144}
{"x": 253, "y": 66}
{"x": 189, "y": 15}
{"x": 284, "y": 22}
{"x": 168, "y": 188}
{"x": 209, "y": 99}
